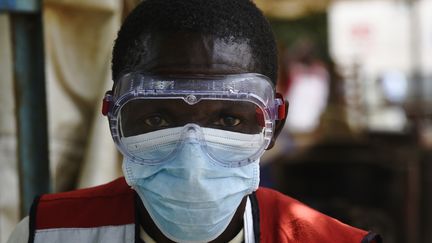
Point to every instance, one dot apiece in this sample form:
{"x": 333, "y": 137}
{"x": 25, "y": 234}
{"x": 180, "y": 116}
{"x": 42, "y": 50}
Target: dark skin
{"x": 186, "y": 53}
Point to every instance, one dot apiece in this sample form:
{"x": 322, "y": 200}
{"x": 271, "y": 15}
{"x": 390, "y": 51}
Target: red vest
{"x": 87, "y": 214}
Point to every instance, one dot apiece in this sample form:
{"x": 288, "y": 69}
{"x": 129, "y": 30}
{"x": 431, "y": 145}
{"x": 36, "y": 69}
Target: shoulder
{"x": 291, "y": 220}
{"x": 108, "y": 204}
{"x": 274, "y": 202}
{"x": 267, "y": 195}
{"x": 111, "y": 189}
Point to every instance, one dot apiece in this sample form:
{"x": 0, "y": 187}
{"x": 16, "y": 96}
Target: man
{"x": 192, "y": 109}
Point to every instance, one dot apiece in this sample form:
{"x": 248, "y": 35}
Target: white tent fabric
{"x": 8, "y": 144}
{"x": 79, "y": 36}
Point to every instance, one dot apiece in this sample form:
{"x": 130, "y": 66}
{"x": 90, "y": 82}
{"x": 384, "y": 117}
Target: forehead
{"x": 192, "y": 53}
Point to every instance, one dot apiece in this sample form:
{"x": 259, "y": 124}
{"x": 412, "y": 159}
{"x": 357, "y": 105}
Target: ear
{"x": 278, "y": 127}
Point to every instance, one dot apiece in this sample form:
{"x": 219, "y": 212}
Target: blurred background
{"x": 357, "y": 144}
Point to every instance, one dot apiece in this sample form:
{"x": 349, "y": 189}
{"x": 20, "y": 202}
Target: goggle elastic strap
{"x": 107, "y": 102}
{"x": 280, "y": 108}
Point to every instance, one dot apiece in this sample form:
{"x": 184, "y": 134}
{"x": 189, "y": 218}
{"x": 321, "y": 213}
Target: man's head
{"x": 223, "y": 35}
{"x": 193, "y": 109}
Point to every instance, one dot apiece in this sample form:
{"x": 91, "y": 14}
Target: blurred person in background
{"x": 192, "y": 109}
{"x": 307, "y": 89}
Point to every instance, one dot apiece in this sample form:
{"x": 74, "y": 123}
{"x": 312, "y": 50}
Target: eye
{"x": 228, "y": 121}
{"x": 156, "y": 121}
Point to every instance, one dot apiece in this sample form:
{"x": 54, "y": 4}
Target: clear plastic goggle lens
{"x": 142, "y": 115}
{"x": 234, "y": 114}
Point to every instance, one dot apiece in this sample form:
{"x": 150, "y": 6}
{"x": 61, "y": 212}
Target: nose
{"x": 192, "y": 156}
{"x": 192, "y": 133}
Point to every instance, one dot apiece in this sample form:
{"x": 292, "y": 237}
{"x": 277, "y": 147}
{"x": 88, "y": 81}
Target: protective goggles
{"x": 152, "y": 117}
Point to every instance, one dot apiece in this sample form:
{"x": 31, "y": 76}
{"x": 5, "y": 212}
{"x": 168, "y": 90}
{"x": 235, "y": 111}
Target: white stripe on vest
{"x": 104, "y": 234}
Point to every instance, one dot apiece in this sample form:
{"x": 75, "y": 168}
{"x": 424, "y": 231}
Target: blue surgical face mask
{"x": 190, "y": 197}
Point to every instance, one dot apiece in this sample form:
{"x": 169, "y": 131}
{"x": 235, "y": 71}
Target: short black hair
{"x": 238, "y": 19}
